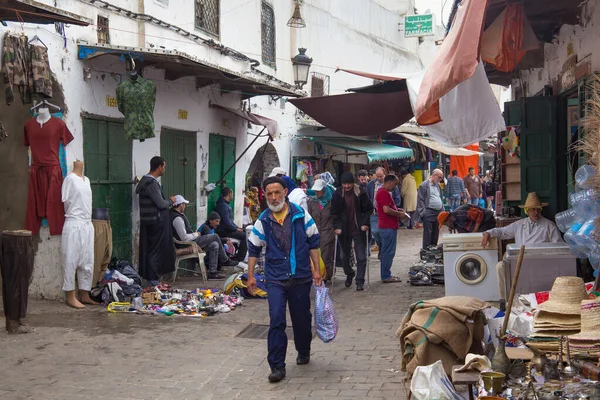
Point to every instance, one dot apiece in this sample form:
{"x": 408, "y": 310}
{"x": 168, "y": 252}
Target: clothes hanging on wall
{"x": 40, "y": 71}
{"x": 26, "y": 66}
{"x": 45, "y": 175}
{"x": 16, "y": 68}
{"x": 136, "y": 99}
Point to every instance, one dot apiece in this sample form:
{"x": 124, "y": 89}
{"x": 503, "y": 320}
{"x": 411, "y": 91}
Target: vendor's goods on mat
{"x": 178, "y": 302}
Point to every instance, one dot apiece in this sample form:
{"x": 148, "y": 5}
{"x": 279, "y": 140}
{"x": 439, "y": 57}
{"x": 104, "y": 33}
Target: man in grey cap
{"x": 211, "y": 244}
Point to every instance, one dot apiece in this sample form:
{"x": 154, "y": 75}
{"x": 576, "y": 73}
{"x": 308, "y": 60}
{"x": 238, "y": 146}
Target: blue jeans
{"x": 454, "y": 202}
{"x": 474, "y": 201}
{"x": 387, "y": 251}
{"x": 374, "y": 220}
{"x": 298, "y": 297}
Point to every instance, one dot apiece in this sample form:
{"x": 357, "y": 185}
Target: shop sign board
{"x": 419, "y": 25}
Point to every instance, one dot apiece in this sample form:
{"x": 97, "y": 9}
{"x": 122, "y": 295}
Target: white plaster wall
{"x": 583, "y": 37}
{"x": 363, "y": 37}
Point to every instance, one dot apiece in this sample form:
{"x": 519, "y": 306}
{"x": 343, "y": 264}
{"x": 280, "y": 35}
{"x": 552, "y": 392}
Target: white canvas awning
{"x": 442, "y": 148}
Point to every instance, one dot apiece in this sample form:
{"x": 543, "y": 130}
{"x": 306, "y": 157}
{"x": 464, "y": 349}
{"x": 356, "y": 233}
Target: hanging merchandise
{"x": 16, "y": 68}
{"x": 40, "y": 70}
{"x": 136, "y": 98}
{"x": 44, "y": 135}
{"x": 510, "y": 142}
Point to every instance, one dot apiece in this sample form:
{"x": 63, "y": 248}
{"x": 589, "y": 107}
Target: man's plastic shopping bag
{"x": 326, "y": 322}
{"x": 431, "y": 382}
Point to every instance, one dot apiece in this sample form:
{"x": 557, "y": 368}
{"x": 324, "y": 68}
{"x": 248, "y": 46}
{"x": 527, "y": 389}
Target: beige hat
{"x": 565, "y": 296}
{"x": 590, "y": 321}
{"x": 543, "y": 318}
{"x": 533, "y": 201}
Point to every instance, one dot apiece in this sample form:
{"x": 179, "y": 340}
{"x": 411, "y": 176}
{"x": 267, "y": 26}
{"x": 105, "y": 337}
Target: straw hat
{"x": 543, "y": 318}
{"x": 533, "y": 201}
{"x": 590, "y": 321}
{"x": 565, "y": 296}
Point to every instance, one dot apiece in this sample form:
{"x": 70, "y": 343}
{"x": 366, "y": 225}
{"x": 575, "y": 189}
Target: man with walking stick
{"x": 351, "y": 210}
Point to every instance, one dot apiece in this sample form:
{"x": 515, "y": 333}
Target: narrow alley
{"x": 83, "y": 354}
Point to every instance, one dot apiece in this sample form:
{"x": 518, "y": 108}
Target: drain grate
{"x": 258, "y": 331}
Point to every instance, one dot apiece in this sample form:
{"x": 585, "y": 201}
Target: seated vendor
{"x": 211, "y": 244}
{"x": 467, "y": 219}
{"x": 530, "y": 230}
{"x": 210, "y": 228}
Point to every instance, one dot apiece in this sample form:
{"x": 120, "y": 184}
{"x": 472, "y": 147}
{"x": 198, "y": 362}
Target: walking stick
{"x": 334, "y": 260}
{"x": 367, "y": 251}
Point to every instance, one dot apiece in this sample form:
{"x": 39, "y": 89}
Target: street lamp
{"x": 301, "y": 63}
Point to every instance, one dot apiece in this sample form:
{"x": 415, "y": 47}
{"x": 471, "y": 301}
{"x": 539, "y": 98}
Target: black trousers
{"x": 360, "y": 251}
{"x": 431, "y": 228}
{"x": 241, "y": 236}
{"x": 16, "y": 266}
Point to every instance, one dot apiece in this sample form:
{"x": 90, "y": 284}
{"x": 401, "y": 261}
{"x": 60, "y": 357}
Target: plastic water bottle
{"x": 565, "y": 219}
{"x": 588, "y": 232}
{"x": 585, "y": 202}
{"x": 585, "y": 177}
{"x": 594, "y": 258}
{"x": 571, "y": 235}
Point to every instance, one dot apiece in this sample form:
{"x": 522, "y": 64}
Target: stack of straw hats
{"x": 588, "y": 341}
{"x": 560, "y": 315}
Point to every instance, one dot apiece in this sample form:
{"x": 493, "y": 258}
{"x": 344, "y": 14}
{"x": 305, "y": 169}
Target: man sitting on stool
{"x": 211, "y": 244}
{"x": 530, "y": 230}
{"x": 228, "y": 228}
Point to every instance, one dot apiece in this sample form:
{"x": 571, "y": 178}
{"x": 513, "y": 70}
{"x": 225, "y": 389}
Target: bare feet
{"x": 72, "y": 300}
{"x": 86, "y": 299}
{"x": 75, "y": 304}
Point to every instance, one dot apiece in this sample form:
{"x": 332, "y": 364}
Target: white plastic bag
{"x": 431, "y": 382}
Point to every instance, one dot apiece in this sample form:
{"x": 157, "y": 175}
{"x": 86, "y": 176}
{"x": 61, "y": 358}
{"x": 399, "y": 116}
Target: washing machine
{"x": 469, "y": 269}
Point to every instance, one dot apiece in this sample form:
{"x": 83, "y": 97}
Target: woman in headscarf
{"x": 319, "y": 207}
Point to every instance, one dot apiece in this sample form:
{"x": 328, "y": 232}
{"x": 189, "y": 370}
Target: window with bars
{"x": 319, "y": 85}
{"x": 103, "y": 33}
{"x": 268, "y": 34}
{"x": 208, "y": 16}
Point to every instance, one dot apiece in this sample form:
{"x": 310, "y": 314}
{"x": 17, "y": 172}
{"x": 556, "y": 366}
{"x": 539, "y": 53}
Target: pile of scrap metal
{"x": 430, "y": 269}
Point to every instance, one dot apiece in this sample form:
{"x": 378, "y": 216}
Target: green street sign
{"x": 418, "y": 25}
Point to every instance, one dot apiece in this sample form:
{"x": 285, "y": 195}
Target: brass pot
{"x": 493, "y": 380}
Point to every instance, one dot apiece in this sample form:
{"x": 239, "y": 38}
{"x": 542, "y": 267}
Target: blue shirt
{"x": 455, "y": 187}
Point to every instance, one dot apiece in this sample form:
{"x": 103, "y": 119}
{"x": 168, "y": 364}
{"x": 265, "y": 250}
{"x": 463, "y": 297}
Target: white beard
{"x": 276, "y": 208}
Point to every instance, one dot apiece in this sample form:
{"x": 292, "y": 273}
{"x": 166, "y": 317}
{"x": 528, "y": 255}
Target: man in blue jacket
{"x": 227, "y": 228}
{"x": 372, "y": 188}
{"x": 292, "y": 241}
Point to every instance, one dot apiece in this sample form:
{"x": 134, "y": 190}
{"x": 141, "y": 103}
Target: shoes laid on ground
{"x": 230, "y": 263}
{"x": 374, "y": 249}
{"x": 277, "y": 374}
{"x": 392, "y": 279}
{"x": 348, "y": 281}
{"x": 302, "y": 360}
{"x": 215, "y": 276}
{"x": 360, "y": 287}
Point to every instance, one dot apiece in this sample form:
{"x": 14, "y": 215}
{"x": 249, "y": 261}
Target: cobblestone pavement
{"x": 91, "y": 354}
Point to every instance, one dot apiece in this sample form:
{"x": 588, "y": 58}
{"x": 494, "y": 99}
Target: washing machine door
{"x": 471, "y": 269}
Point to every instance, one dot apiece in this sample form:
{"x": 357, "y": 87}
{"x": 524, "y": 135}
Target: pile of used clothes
{"x": 177, "y": 302}
{"x": 445, "y": 329}
{"x": 429, "y": 270}
{"x": 120, "y": 283}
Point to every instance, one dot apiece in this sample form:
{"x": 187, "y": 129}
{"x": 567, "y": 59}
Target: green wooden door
{"x": 108, "y": 159}
{"x": 543, "y": 151}
{"x": 178, "y": 148}
{"x": 221, "y": 156}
